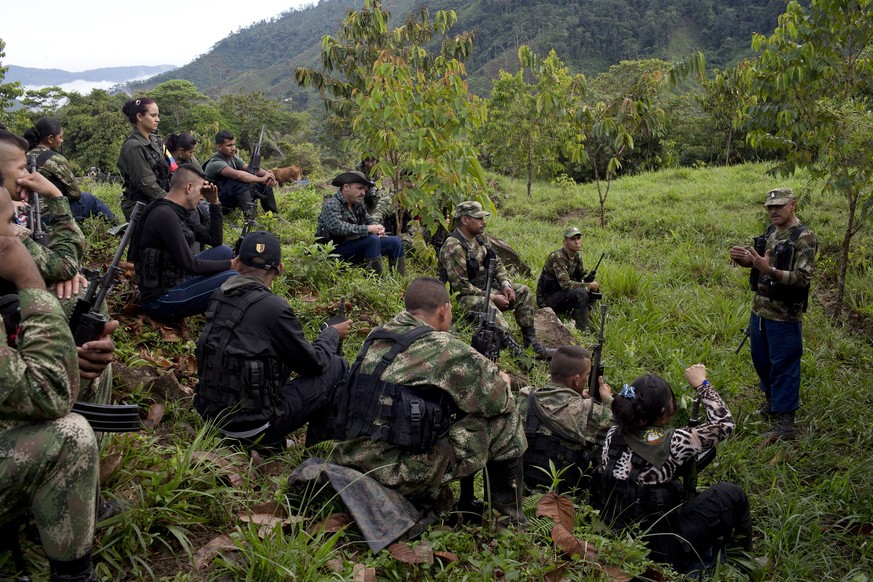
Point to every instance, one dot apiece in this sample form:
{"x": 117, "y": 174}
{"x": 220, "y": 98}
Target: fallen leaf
{"x": 447, "y": 556}
{"x": 334, "y": 523}
{"x": 335, "y": 565}
{"x": 778, "y": 457}
{"x": 156, "y": 413}
{"x": 170, "y": 334}
{"x": 231, "y": 472}
{"x": 205, "y": 555}
{"x": 556, "y": 575}
{"x": 573, "y": 546}
{"x": 187, "y": 364}
{"x": 362, "y": 573}
{"x": 616, "y": 574}
{"x": 108, "y": 465}
{"x": 271, "y": 507}
{"x": 558, "y": 507}
{"x": 420, "y": 554}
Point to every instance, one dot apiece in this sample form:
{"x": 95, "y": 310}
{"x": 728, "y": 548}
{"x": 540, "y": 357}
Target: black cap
{"x": 354, "y": 177}
{"x": 261, "y": 250}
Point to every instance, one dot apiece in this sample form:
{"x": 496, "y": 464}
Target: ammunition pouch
{"x": 783, "y": 255}
{"x": 564, "y": 453}
{"x": 413, "y": 418}
{"x": 475, "y": 271}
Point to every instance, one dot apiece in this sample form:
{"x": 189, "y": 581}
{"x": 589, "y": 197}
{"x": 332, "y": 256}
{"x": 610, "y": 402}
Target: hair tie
{"x": 628, "y": 392}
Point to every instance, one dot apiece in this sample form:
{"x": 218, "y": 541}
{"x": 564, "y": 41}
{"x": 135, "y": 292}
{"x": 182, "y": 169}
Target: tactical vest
{"x": 156, "y": 270}
{"x": 548, "y": 282}
{"x": 624, "y": 502}
{"x": 784, "y": 254}
{"x": 409, "y": 417}
{"x": 243, "y": 379}
{"x": 161, "y": 171}
{"x": 555, "y": 447}
{"x": 475, "y": 272}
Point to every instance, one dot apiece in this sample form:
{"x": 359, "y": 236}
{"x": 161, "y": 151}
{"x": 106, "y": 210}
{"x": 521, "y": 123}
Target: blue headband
{"x": 628, "y": 392}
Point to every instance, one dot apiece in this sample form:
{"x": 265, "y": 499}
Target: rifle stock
{"x": 596, "y": 360}
{"x": 87, "y": 322}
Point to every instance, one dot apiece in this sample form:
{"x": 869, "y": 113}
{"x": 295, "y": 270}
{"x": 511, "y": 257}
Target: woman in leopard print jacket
{"x": 642, "y": 461}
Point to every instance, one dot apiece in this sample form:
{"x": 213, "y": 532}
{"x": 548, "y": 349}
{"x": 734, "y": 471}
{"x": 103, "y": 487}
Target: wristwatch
{"x": 773, "y": 271}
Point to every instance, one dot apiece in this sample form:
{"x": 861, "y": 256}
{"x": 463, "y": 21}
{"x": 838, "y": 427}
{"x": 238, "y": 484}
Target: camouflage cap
{"x": 571, "y": 232}
{"x": 779, "y": 197}
{"x": 470, "y": 208}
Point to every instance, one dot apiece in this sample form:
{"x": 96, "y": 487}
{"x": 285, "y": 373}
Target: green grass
{"x": 673, "y": 297}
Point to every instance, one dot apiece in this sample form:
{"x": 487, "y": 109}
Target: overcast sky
{"x": 77, "y": 35}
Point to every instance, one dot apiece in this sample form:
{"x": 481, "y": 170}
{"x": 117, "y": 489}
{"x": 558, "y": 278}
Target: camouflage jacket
{"x": 39, "y": 379}
{"x": 60, "y": 260}
{"x": 564, "y": 413}
{"x": 799, "y": 275}
{"x": 562, "y": 270}
{"x": 138, "y": 166}
{"x": 453, "y": 258}
{"x": 57, "y": 169}
{"x": 344, "y": 224}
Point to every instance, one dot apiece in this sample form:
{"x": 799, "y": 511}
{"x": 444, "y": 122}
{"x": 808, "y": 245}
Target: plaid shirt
{"x": 344, "y": 224}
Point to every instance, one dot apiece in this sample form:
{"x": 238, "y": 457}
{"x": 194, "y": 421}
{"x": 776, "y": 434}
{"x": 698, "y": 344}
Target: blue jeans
{"x": 192, "y": 295}
{"x": 236, "y": 194}
{"x": 370, "y": 247}
{"x": 776, "y": 350}
{"x": 89, "y": 205}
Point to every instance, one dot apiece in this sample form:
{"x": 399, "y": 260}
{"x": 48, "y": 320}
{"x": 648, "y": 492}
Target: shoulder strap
{"x": 44, "y": 157}
{"x": 797, "y": 231}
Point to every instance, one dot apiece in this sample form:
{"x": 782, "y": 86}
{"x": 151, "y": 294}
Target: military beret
{"x": 779, "y": 197}
{"x": 354, "y": 177}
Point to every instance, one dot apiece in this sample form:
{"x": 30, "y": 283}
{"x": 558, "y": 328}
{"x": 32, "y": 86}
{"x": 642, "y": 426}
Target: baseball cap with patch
{"x": 779, "y": 197}
{"x": 470, "y": 208}
{"x": 571, "y": 232}
{"x": 261, "y": 250}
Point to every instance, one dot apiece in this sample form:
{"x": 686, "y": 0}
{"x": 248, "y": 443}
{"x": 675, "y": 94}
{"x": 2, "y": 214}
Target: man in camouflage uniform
{"x": 376, "y": 201}
{"x": 58, "y": 263}
{"x": 485, "y": 430}
{"x": 561, "y": 285}
{"x": 463, "y": 260}
{"x": 781, "y": 263}
{"x": 563, "y": 423}
{"x": 48, "y": 456}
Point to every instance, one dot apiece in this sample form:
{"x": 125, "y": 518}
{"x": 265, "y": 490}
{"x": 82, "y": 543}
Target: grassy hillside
{"x": 672, "y": 297}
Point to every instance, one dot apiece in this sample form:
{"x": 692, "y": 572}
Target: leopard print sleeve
{"x": 687, "y": 441}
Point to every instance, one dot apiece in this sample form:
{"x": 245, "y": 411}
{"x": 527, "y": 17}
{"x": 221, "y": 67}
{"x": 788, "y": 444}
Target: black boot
{"x": 529, "y": 337}
{"x": 766, "y": 409}
{"x": 580, "y": 315}
{"x": 398, "y": 264}
{"x": 784, "y": 429}
{"x": 78, "y": 570}
{"x": 524, "y": 360}
{"x": 469, "y": 509}
{"x": 376, "y": 265}
{"x": 505, "y": 482}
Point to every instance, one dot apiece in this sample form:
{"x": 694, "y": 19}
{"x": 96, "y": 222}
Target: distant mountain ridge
{"x": 588, "y": 35}
{"x": 34, "y": 77}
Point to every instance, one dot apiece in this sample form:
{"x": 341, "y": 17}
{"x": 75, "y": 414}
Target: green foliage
{"x": 94, "y": 129}
{"x": 9, "y": 92}
{"x": 813, "y": 83}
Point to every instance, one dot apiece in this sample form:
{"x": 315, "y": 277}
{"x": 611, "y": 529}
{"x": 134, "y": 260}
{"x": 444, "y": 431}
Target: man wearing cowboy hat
{"x": 781, "y": 262}
{"x": 357, "y": 236}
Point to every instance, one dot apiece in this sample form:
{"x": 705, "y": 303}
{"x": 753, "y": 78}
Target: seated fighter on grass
{"x": 251, "y": 344}
{"x": 236, "y": 185}
{"x": 562, "y": 284}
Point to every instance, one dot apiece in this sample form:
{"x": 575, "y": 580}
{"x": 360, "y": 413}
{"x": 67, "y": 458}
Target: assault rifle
{"x": 596, "y": 360}
{"x": 746, "y": 333}
{"x": 86, "y": 321}
{"x": 487, "y": 339}
{"x": 589, "y": 278}
{"x": 690, "y": 468}
{"x": 34, "y": 212}
{"x": 252, "y": 211}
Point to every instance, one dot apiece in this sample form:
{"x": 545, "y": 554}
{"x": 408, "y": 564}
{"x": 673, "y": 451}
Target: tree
{"x": 177, "y": 101}
{"x": 814, "y": 79}
{"x": 527, "y": 124}
{"x": 44, "y": 102}
{"x": 246, "y": 113}
{"x": 725, "y": 98}
{"x": 348, "y": 58}
{"x": 94, "y": 129}
{"x": 9, "y": 92}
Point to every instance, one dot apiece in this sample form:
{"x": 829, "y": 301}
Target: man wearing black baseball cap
{"x": 251, "y": 343}
{"x": 356, "y": 234}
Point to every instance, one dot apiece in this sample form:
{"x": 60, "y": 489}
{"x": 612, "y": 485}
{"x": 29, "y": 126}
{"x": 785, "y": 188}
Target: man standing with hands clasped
{"x": 781, "y": 262}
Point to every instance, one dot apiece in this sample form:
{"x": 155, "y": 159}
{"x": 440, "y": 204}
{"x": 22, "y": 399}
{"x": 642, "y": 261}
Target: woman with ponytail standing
{"x": 44, "y": 141}
{"x": 143, "y": 162}
{"x": 641, "y": 463}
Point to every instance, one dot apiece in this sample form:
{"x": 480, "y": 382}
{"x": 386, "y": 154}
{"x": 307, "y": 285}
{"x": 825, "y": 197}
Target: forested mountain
{"x": 30, "y": 76}
{"x": 589, "y": 35}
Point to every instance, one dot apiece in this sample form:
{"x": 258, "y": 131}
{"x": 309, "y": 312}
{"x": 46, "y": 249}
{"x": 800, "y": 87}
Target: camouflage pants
{"x": 50, "y": 468}
{"x": 472, "y": 442}
{"x": 523, "y": 307}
